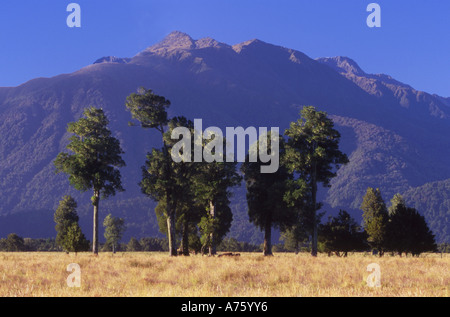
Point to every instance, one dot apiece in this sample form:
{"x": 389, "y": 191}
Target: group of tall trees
{"x": 287, "y": 199}
{"x": 193, "y": 197}
{"x": 399, "y": 228}
{"x": 190, "y": 195}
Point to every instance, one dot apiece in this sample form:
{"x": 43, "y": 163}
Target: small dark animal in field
{"x": 229, "y": 254}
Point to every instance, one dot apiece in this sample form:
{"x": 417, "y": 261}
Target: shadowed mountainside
{"x": 396, "y": 137}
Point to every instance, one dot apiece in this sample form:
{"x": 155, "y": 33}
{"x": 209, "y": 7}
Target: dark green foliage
{"x": 75, "y": 241}
{"x": 224, "y": 216}
{"x": 295, "y": 237}
{"x": 313, "y": 142}
{"x": 408, "y": 232}
{"x": 207, "y": 227}
{"x": 217, "y": 226}
{"x": 154, "y": 244}
{"x": 69, "y": 236}
{"x": 154, "y": 182}
{"x": 375, "y": 219}
{"x": 96, "y": 155}
{"x": 233, "y": 245}
{"x": 433, "y": 201}
{"x": 172, "y": 188}
{"x": 298, "y": 197}
{"x": 157, "y": 174}
{"x": 341, "y": 234}
{"x": 188, "y": 208}
{"x": 163, "y": 179}
{"x": 41, "y": 245}
{"x": 267, "y": 207}
{"x": 312, "y": 153}
{"x": 13, "y": 243}
{"x": 192, "y": 192}
{"x": 186, "y": 228}
{"x": 212, "y": 184}
{"x": 32, "y": 245}
{"x": 149, "y": 109}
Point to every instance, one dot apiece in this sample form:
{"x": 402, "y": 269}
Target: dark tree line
{"x": 341, "y": 234}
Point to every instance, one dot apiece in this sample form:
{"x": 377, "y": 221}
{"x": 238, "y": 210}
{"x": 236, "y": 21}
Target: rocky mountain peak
{"x": 342, "y": 64}
{"x": 239, "y": 47}
{"x": 177, "y": 40}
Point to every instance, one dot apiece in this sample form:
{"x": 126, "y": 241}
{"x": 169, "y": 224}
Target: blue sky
{"x": 412, "y": 45}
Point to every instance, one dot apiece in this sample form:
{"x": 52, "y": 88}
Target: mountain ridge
{"x": 394, "y": 135}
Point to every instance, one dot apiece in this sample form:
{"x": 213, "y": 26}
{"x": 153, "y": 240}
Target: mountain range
{"x": 396, "y": 137}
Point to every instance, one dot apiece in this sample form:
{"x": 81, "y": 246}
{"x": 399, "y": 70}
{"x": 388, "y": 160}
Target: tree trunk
{"x": 212, "y": 246}
{"x": 170, "y": 209}
{"x": 314, "y": 200}
{"x": 268, "y": 237}
{"x": 314, "y": 207}
{"x": 185, "y": 239}
{"x": 171, "y": 233}
{"x": 96, "y": 203}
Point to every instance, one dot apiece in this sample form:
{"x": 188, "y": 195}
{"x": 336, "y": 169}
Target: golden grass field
{"x": 250, "y": 275}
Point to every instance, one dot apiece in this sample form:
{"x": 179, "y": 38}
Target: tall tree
{"x": 265, "y": 197}
{"x": 114, "y": 229}
{"x": 173, "y": 189}
{"x": 375, "y": 219}
{"x": 64, "y": 216}
{"x": 151, "y": 111}
{"x": 312, "y": 153}
{"x": 95, "y": 160}
{"x": 189, "y": 208}
{"x": 407, "y": 231}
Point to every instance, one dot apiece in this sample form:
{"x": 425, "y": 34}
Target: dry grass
{"x": 250, "y": 275}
